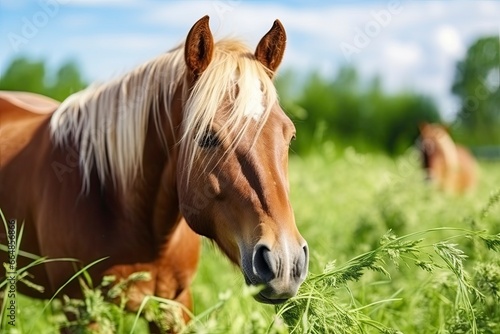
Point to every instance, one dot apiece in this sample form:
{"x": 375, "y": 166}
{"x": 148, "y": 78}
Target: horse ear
{"x": 199, "y": 47}
{"x": 271, "y": 47}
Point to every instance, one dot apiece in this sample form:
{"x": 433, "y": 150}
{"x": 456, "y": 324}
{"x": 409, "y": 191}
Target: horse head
{"x": 233, "y": 159}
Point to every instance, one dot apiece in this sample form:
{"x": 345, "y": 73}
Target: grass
{"x": 389, "y": 254}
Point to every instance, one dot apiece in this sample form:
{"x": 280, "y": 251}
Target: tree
{"x": 27, "y": 75}
{"x": 24, "y": 75}
{"x": 477, "y": 85}
{"x": 348, "y": 111}
{"x": 67, "y": 81}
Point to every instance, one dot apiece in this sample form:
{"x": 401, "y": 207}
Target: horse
{"x": 192, "y": 143}
{"x": 450, "y": 166}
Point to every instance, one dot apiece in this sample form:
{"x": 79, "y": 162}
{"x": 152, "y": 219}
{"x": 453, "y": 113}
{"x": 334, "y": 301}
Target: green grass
{"x": 436, "y": 271}
{"x": 344, "y": 205}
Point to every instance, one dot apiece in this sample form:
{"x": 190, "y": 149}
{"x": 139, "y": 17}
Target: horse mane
{"x": 108, "y": 123}
{"x": 443, "y": 143}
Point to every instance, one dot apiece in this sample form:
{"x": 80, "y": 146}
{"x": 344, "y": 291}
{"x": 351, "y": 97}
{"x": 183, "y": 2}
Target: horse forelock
{"x": 234, "y": 80}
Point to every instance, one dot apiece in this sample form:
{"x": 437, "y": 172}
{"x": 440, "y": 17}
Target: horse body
{"x": 450, "y": 166}
{"x": 45, "y": 197}
{"x": 17, "y": 147}
{"x": 193, "y": 141}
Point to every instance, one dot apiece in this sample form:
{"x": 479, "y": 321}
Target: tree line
{"x": 25, "y": 74}
{"x": 343, "y": 110}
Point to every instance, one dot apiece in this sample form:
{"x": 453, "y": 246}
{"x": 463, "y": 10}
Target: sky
{"x": 411, "y": 45}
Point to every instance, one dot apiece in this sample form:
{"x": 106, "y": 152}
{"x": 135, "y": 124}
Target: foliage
{"x": 344, "y": 111}
{"x": 23, "y": 74}
{"x": 437, "y": 270}
{"x": 316, "y": 308}
{"x": 477, "y": 85}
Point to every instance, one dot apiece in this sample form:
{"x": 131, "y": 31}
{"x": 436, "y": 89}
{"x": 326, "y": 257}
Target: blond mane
{"x": 108, "y": 123}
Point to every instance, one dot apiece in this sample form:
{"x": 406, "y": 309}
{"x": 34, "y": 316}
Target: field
{"x": 362, "y": 278}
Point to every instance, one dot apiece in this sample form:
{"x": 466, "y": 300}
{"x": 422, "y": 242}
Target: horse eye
{"x": 209, "y": 140}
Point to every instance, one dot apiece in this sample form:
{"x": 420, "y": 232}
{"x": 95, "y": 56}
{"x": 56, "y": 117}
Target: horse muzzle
{"x": 278, "y": 268}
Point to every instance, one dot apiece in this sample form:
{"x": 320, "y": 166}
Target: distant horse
{"x": 194, "y": 140}
{"x": 451, "y": 167}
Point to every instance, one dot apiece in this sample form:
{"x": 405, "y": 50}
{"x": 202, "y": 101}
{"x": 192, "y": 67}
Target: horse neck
{"x": 152, "y": 198}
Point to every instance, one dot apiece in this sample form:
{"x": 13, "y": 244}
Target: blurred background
{"x": 356, "y": 73}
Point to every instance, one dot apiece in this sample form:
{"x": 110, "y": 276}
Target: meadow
{"x": 389, "y": 254}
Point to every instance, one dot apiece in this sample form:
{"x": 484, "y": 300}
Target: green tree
{"x": 68, "y": 80}
{"x": 347, "y": 111}
{"x": 477, "y": 85}
{"x": 27, "y": 75}
{"x": 24, "y": 75}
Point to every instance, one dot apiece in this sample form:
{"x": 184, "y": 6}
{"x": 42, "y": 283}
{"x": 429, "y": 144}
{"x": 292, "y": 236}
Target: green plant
{"x": 438, "y": 280}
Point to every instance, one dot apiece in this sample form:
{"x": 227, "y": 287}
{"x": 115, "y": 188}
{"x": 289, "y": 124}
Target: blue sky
{"x": 410, "y": 44}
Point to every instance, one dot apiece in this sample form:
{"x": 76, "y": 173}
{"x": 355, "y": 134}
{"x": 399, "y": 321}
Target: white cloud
{"x": 492, "y": 79}
{"x": 121, "y": 42}
{"x": 449, "y": 41}
{"x": 78, "y": 21}
{"x": 403, "y": 55}
{"x": 100, "y": 3}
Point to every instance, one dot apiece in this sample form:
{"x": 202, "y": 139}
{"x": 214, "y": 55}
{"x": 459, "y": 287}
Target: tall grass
{"x": 318, "y": 309}
{"x": 389, "y": 254}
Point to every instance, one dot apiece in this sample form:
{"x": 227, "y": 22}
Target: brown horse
{"x": 192, "y": 141}
{"x": 451, "y": 167}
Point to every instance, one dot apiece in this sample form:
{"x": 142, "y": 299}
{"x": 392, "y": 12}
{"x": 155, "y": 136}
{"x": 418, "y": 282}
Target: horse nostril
{"x": 302, "y": 263}
{"x": 263, "y": 263}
